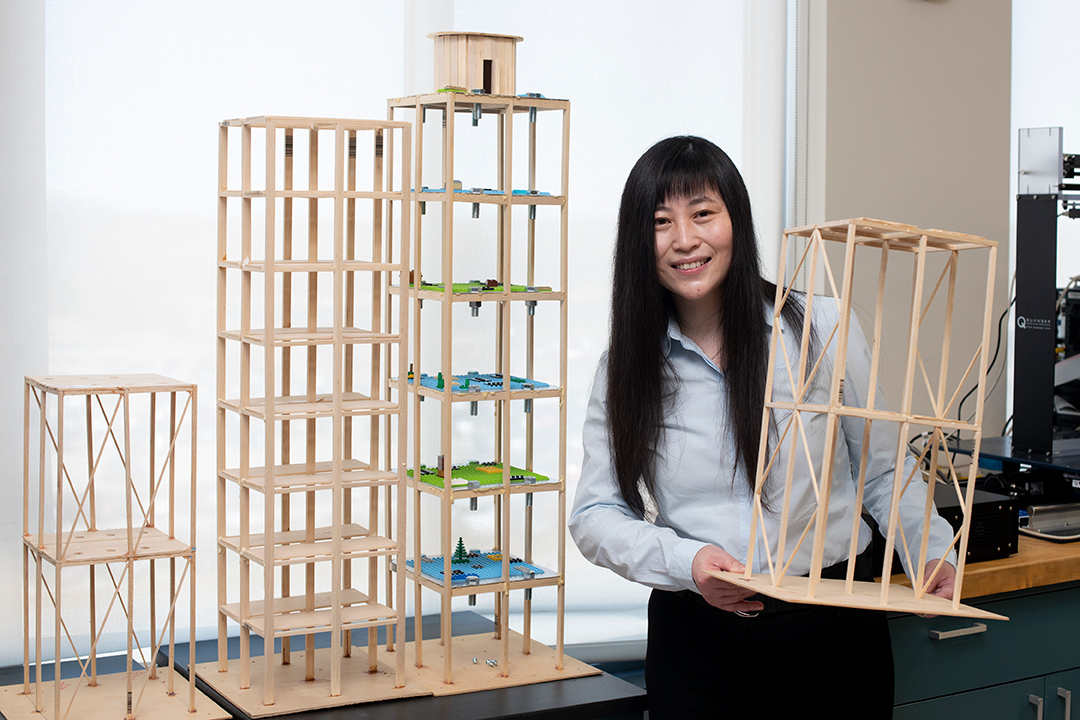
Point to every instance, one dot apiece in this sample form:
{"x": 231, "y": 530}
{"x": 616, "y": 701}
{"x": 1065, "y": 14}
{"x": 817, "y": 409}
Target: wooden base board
{"x": 292, "y": 693}
{"x": 536, "y": 667}
{"x": 864, "y": 595}
{"x": 108, "y": 700}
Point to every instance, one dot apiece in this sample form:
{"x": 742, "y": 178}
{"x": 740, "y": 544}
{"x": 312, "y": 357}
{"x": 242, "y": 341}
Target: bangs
{"x": 688, "y": 173}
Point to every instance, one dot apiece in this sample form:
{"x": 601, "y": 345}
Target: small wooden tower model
{"x": 818, "y": 391}
{"x": 105, "y": 459}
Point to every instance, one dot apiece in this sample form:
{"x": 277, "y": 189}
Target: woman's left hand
{"x": 942, "y": 584}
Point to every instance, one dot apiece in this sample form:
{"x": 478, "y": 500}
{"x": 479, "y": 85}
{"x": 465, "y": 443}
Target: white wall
{"x": 917, "y": 132}
{"x": 111, "y": 183}
{"x": 23, "y": 277}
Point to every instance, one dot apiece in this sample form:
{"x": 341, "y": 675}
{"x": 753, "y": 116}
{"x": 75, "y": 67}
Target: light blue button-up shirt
{"x": 700, "y": 502}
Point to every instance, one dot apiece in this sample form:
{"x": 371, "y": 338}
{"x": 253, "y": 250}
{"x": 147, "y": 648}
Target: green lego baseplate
{"x": 480, "y": 287}
{"x": 475, "y": 475}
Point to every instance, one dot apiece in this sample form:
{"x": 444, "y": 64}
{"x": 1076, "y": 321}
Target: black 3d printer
{"x": 1041, "y": 459}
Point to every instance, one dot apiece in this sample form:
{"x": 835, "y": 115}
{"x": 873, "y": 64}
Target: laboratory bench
{"x": 1025, "y": 668}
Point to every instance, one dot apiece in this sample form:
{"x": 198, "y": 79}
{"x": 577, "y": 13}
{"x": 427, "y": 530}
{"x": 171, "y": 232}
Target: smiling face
{"x": 693, "y": 249}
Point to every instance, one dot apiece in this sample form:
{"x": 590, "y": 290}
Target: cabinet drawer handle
{"x": 975, "y": 629}
{"x": 1062, "y": 692}
{"x": 1038, "y": 703}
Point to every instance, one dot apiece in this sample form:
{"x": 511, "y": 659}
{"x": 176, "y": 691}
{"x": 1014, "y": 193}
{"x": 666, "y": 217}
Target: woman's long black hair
{"x": 638, "y": 371}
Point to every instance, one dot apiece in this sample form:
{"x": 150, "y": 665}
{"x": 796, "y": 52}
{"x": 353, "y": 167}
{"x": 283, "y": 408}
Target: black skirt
{"x": 788, "y": 661}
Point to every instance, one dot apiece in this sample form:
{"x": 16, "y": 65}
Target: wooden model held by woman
{"x": 671, "y": 441}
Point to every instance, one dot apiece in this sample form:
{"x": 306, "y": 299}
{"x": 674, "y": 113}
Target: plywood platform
{"x": 107, "y": 700}
{"x": 294, "y": 694}
{"x": 536, "y": 667}
{"x": 864, "y": 595}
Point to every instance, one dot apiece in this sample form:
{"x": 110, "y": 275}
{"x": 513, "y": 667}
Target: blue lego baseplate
{"x": 479, "y": 382}
{"x": 487, "y": 191}
{"x": 482, "y": 569}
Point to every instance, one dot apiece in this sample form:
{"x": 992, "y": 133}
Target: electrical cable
{"x": 955, "y": 436}
{"x": 997, "y": 348}
{"x": 1065, "y": 291}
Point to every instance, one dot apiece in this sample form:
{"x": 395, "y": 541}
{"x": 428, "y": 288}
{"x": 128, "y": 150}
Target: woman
{"x": 672, "y": 435}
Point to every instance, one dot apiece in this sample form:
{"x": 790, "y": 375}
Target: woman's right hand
{"x": 720, "y": 594}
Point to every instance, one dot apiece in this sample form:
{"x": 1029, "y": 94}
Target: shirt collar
{"x": 675, "y": 334}
{"x": 767, "y": 312}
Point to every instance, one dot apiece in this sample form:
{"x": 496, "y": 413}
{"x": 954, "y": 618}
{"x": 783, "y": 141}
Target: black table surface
{"x": 594, "y": 696}
{"x": 1000, "y": 448}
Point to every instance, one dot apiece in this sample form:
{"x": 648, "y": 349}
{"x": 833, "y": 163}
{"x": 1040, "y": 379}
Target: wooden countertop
{"x": 1038, "y": 563}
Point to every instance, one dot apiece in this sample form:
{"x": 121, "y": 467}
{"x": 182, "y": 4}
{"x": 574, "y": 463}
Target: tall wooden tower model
{"x": 311, "y": 440}
{"x": 488, "y": 377}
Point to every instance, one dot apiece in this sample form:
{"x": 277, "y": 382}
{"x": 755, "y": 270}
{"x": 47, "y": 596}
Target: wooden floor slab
{"x": 536, "y": 667}
{"x": 292, "y": 693}
{"x": 864, "y": 595}
{"x": 108, "y": 700}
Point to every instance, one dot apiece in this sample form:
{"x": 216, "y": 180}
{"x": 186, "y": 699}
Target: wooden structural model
{"x": 311, "y": 440}
{"x": 791, "y": 415}
{"x": 101, "y": 494}
{"x": 491, "y": 339}
{"x": 476, "y": 61}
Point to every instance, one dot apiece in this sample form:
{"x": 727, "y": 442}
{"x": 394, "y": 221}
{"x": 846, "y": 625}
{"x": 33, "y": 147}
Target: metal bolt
{"x": 475, "y": 210}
